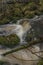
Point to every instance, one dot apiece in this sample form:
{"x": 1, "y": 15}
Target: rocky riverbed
{"x": 26, "y": 56}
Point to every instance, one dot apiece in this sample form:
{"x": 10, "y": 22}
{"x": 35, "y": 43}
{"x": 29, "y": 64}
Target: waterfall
{"x": 24, "y": 28}
{"x": 19, "y": 29}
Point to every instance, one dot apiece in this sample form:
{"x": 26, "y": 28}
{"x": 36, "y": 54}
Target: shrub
{"x": 32, "y": 6}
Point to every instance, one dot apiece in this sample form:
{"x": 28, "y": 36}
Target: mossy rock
{"x": 9, "y": 41}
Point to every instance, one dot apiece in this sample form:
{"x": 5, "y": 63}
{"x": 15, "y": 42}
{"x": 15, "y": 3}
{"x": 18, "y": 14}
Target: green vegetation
{"x": 33, "y": 42}
{"x": 17, "y": 11}
{"x": 9, "y": 41}
{"x": 4, "y": 63}
{"x": 40, "y": 62}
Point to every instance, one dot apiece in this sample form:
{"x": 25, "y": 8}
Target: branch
{"x": 23, "y": 46}
{"x": 35, "y": 53}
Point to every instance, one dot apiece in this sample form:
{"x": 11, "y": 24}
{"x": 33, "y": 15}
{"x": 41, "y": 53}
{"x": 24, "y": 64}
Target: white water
{"x": 15, "y": 28}
{"x": 20, "y": 31}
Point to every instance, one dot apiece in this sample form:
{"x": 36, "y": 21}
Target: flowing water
{"x": 20, "y": 28}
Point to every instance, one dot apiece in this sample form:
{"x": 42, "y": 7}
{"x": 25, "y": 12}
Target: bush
{"x": 32, "y": 6}
{"x": 18, "y": 10}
